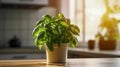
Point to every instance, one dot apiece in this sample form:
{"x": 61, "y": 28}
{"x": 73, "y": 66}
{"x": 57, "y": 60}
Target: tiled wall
{"x": 19, "y": 22}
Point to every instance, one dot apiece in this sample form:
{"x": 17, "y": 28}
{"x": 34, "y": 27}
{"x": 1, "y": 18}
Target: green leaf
{"x": 45, "y": 20}
{"x": 42, "y": 38}
{"x": 74, "y": 29}
{"x": 73, "y": 46}
{"x": 40, "y": 46}
{"x": 59, "y": 30}
{"x": 63, "y": 23}
{"x": 67, "y": 21}
{"x": 55, "y": 32}
{"x": 37, "y": 31}
{"x": 50, "y": 46}
{"x": 39, "y": 40}
{"x": 39, "y": 22}
{"x": 74, "y": 42}
{"x": 46, "y": 17}
{"x": 36, "y": 41}
{"x": 59, "y": 43}
{"x": 61, "y": 16}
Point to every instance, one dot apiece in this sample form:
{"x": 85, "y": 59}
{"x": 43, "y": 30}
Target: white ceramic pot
{"x": 58, "y": 55}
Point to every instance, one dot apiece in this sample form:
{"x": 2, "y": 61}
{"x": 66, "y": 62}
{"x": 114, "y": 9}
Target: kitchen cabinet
{"x": 22, "y": 56}
{"x": 26, "y": 2}
{"x": 22, "y": 53}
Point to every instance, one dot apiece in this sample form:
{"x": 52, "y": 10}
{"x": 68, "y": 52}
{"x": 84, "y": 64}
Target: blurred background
{"x": 18, "y": 18}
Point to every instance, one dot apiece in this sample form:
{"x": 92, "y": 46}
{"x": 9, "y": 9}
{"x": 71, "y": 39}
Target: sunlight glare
{"x": 72, "y": 10}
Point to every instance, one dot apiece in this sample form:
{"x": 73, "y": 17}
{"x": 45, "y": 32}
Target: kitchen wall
{"x": 20, "y": 22}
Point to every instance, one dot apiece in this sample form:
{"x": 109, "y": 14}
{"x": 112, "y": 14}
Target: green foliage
{"x": 50, "y": 30}
{"x": 109, "y": 25}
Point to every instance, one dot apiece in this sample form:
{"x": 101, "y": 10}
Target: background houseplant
{"x": 57, "y": 30}
{"x": 108, "y": 29}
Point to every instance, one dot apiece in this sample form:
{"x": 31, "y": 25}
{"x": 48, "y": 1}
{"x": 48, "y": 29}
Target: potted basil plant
{"x": 55, "y": 33}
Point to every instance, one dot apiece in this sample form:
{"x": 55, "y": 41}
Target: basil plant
{"x": 55, "y": 29}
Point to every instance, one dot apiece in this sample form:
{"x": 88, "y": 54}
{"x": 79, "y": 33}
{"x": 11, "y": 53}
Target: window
{"x": 87, "y": 15}
{"x": 77, "y": 16}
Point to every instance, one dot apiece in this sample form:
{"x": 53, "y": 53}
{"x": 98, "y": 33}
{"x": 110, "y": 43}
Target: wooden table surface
{"x": 78, "y": 62}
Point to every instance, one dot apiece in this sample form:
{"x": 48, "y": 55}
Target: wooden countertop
{"x": 89, "y": 62}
